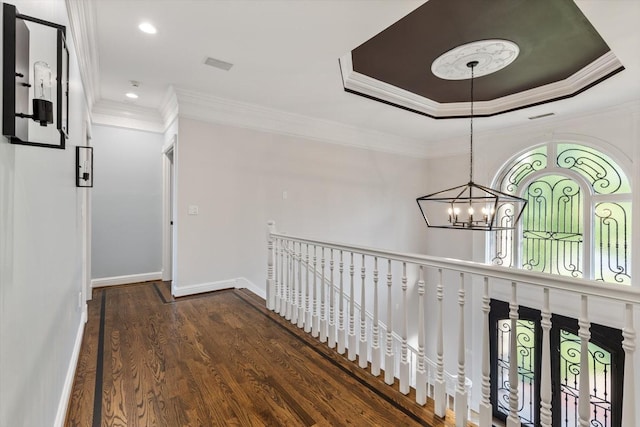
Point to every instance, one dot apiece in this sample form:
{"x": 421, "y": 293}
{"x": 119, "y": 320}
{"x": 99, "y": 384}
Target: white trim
{"x": 82, "y": 20}
{"x": 181, "y": 291}
{"x": 169, "y": 107}
{"x": 120, "y": 114}
{"x": 584, "y": 77}
{"x": 168, "y": 172}
{"x": 124, "y": 280}
{"x": 211, "y": 109}
{"x": 244, "y": 283}
{"x": 237, "y": 283}
{"x": 65, "y": 396}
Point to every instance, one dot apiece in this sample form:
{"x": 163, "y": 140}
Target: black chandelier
{"x": 471, "y": 206}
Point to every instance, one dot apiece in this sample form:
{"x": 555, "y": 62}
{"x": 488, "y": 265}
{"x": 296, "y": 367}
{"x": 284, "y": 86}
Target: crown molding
{"x": 82, "y": 20}
{"x": 600, "y": 69}
{"x": 169, "y": 107}
{"x": 119, "y": 114}
{"x": 207, "y": 108}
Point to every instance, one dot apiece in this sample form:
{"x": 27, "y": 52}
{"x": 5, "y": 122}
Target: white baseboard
{"x": 65, "y": 396}
{"x": 181, "y": 291}
{"x": 123, "y": 280}
{"x": 243, "y": 282}
{"x": 238, "y": 283}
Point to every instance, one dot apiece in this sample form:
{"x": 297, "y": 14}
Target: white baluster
{"x": 461, "y": 402}
{"x": 629, "y": 388}
{"x": 295, "y": 288}
{"x": 513, "y": 420}
{"x": 440, "y": 387}
{"x": 584, "y": 394}
{"x": 282, "y": 303}
{"x": 271, "y": 226}
{"x": 421, "y": 373}
{"x": 332, "y": 310}
{"x": 375, "y": 327}
{"x": 315, "y": 327}
{"x": 289, "y": 287}
{"x": 341, "y": 330}
{"x": 362, "y": 349}
{"x": 404, "y": 361}
{"x": 388, "y": 354}
{"x": 300, "y": 316}
{"x": 307, "y": 301}
{"x": 352, "y": 321}
{"x": 276, "y": 301}
{"x": 485, "y": 414}
{"x": 323, "y": 312}
{"x": 545, "y": 374}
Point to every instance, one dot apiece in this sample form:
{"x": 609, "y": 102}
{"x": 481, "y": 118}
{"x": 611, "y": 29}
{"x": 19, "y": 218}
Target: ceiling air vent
{"x": 218, "y": 63}
{"x": 541, "y": 116}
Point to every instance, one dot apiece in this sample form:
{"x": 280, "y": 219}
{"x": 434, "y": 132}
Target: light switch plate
{"x": 193, "y": 210}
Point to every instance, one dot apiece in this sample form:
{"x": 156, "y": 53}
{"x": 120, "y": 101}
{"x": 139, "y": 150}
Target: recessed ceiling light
{"x": 146, "y": 27}
{"x": 131, "y": 95}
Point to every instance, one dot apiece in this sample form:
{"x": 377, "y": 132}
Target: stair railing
{"x": 323, "y": 287}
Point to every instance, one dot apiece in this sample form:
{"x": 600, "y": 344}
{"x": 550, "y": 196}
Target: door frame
{"x": 168, "y": 202}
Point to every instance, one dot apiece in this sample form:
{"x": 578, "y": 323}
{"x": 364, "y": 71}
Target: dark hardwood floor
{"x": 219, "y": 359}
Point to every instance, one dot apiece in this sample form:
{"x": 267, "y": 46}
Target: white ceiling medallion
{"x": 492, "y": 56}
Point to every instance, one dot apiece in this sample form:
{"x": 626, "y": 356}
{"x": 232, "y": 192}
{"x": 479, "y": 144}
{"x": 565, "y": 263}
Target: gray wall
{"x": 126, "y": 202}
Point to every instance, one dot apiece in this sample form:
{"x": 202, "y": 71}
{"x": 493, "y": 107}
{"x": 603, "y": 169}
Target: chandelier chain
{"x": 471, "y": 138}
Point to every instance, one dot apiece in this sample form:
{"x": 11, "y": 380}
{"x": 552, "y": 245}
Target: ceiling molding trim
{"x": 112, "y": 113}
{"x": 600, "y": 69}
{"x": 460, "y": 145}
{"x": 198, "y": 106}
{"x": 82, "y": 20}
{"x": 169, "y": 107}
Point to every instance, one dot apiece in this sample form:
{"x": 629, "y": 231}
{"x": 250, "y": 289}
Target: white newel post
{"x": 440, "y": 389}
{"x": 545, "y": 374}
{"x": 404, "y": 361}
{"x": 388, "y": 354}
{"x": 513, "y": 420}
{"x": 421, "y": 373}
{"x": 375, "y": 326}
{"x": 332, "y": 310}
{"x": 461, "y": 402}
{"x": 629, "y": 387}
{"x": 352, "y": 314}
{"x": 584, "y": 394}
{"x": 362, "y": 349}
{"x": 271, "y": 228}
{"x": 485, "y": 410}
{"x": 323, "y": 309}
{"x": 307, "y": 302}
{"x": 315, "y": 327}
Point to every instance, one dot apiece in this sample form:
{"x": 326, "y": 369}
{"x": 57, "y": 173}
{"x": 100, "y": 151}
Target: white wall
{"x": 126, "y": 202}
{"x": 41, "y": 320}
{"x": 241, "y": 178}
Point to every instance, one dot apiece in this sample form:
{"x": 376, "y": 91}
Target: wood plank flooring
{"x": 219, "y": 359}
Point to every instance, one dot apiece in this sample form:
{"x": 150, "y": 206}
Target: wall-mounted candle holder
{"x": 42, "y": 86}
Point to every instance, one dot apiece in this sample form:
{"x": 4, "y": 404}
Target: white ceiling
{"x": 285, "y": 55}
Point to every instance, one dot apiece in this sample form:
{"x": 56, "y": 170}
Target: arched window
{"x": 578, "y": 218}
{"x": 576, "y": 223}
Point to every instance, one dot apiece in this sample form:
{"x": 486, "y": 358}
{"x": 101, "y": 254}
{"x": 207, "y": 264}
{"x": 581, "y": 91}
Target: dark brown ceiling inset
{"x": 556, "y": 41}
